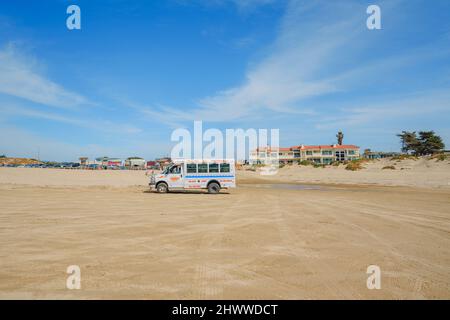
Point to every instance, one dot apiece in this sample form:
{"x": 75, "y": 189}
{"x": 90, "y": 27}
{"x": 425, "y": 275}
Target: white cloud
{"x": 29, "y": 144}
{"x": 242, "y": 5}
{"x": 250, "y": 4}
{"x": 97, "y": 125}
{"x": 19, "y": 77}
{"x": 436, "y": 101}
{"x": 294, "y": 70}
{"x": 322, "y": 48}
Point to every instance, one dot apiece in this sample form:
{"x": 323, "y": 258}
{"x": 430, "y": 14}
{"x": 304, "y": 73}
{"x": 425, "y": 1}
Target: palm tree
{"x": 340, "y": 137}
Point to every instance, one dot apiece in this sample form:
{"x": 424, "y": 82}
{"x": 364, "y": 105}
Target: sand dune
{"x": 423, "y": 173}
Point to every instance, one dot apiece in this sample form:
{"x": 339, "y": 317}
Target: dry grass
{"x": 440, "y": 156}
{"x": 18, "y": 161}
{"x": 353, "y": 166}
{"x": 405, "y": 157}
{"x": 336, "y": 164}
{"x": 356, "y": 165}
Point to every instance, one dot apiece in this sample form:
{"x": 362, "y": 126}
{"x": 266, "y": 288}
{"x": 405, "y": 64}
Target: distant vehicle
{"x": 93, "y": 166}
{"x": 69, "y": 165}
{"x": 212, "y": 175}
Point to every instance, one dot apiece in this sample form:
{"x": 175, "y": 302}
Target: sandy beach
{"x": 262, "y": 240}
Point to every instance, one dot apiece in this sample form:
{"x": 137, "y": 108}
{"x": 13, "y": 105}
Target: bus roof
{"x": 178, "y": 161}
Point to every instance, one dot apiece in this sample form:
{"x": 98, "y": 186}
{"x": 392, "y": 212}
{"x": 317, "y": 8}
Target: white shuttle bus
{"x": 212, "y": 175}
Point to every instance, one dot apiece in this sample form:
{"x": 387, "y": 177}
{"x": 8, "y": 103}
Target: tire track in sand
{"x": 288, "y": 237}
{"x": 209, "y": 277}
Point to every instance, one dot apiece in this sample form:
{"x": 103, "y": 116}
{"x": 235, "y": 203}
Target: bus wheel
{"x": 162, "y": 187}
{"x": 213, "y": 187}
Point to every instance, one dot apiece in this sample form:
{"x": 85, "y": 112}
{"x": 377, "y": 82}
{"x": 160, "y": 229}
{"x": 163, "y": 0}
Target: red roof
{"x": 324, "y": 146}
{"x": 274, "y": 149}
{"x": 328, "y": 146}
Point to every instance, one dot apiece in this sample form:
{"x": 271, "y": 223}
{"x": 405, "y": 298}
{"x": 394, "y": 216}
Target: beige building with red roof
{"x": 321, "y": 154}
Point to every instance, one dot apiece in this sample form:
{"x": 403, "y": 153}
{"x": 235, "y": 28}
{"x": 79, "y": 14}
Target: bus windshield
{"x": 167, "y": 169}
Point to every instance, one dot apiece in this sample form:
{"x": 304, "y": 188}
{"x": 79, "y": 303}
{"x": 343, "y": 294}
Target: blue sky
{"x": 138, "y": 70}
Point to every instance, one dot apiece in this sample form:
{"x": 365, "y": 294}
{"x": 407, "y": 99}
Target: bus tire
{"x": 162, "y": 187}
{"x": 213, "y": 188}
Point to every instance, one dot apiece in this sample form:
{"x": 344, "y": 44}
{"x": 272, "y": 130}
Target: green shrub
{"x": 388, "y": 167}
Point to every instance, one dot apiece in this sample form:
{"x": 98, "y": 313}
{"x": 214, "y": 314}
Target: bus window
{"x": 213, "y": 167}
{"x": 202, "y": 168}
{"x": 191, "y": 168}
{"x": 224, "y": 167}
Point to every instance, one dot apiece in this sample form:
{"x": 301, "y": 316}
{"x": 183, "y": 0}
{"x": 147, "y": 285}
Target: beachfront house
{"x": 107, "y": 162}
{"x": 135, "y": 163}
{"x": 152, "y": 165}
{"x": 368, "y": 154}
{"x": 114, "y": 162}
{"x": 320, "y": 154}
{"x": 83, "y": 161}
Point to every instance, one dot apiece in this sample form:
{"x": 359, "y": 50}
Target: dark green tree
{"x": 426, "y": 143}
{"x": 429, "y": 143}
{"x": 409, "y": 141}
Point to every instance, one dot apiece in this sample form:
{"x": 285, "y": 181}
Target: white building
{"x": 135, "y": 163}
{"x": 321, "y": 154}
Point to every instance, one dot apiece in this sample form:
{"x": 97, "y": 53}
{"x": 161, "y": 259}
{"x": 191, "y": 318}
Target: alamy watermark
{"x": 73, "y": 22}
{"x": 254, "y": 146}
{"x": 374, "y": 20}
{"x": 374, "y": 279}
{"x": 74, "y": 279}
